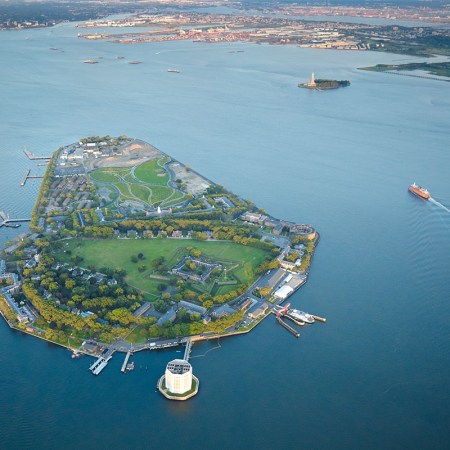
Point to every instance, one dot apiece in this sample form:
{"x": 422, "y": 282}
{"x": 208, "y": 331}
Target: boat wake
{"x": 440, "y": 205}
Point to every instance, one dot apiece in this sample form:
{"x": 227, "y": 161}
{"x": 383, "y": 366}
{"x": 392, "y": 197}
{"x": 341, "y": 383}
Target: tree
{"x": 69, "y": 284}
{"x": 134, "y": 259}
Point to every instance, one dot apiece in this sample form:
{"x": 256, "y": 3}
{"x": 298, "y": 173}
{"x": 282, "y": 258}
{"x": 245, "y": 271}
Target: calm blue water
{"x": 377, "y": 374}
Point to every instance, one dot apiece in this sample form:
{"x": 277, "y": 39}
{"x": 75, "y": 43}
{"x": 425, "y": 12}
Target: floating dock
{"x": 101, "y": 362}
{"x": 288, "y": 327}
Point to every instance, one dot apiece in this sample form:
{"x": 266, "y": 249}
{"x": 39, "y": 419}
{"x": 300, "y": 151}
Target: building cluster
{"x": 69, "y": 193}
{"x": 23, "y": 313}
{"x": 272, "y": 29}
{"x": 279, "y": 226}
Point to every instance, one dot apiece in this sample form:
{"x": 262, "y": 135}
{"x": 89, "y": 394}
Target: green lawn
{"x": 149, "y": 184}
{"x": 116, "y": 253}
{"x": 152, "y": 172}
{"x": 104, "y": 176}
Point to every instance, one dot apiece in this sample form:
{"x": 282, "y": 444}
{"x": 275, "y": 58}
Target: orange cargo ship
{"x": 419, "y": 191}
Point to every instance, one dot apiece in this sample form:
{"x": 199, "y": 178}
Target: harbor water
{"x": 376, "y": 375}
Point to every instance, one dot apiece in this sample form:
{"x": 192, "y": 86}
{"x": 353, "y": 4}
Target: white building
{"x": 284, "y": 292}
{"x": 178, "y": 376}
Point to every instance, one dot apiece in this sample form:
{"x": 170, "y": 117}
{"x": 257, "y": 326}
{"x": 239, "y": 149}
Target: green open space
{"x": 117, "y": 253}
{"x": 152, "y": 172}
{"x": 148, "y": 183}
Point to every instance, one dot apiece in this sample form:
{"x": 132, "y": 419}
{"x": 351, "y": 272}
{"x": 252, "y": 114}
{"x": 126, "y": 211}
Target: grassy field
{"x": 151, "y": 172}
{"x": 117, "y": 253}
{"x": 147, "y": 185}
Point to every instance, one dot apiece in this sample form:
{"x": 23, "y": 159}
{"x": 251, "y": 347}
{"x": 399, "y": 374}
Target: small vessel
{"x": 130, "y": 366}
{"x": 301, "y": 316}
{"x": 419, "y": 191}
{"x": 90, "y": 61}
{"x": 121, "y": 57}
{"x": 76, "y": 354}
{"x": 173, "y": 70}
{"x": 134, "y": 62}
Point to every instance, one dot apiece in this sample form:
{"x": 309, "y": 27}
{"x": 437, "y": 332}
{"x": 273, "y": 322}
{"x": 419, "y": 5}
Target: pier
{"x": 288, "y": 327}
{"x": 27, "y": 176}
{"x": 187, "y": 350}
{"x": 101, "y": 362}
{"x": 5, "y": 221}
{"x": 124, "y": 365}
{"x": 36, "y": 158}
{"x": 319, "y": 319}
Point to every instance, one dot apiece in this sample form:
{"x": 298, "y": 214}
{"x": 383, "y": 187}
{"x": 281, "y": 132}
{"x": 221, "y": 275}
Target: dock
{"x": 25, "y": 177}
{"x": 101, "y": 362}
{"x": 31, "y": 157}
{"x": 187, "y": 350}
{"x": 124, "y": 365}
{"x": 288, "y": 327}
{"x": 319, "y": 319}
{"x": 5, "y": 221}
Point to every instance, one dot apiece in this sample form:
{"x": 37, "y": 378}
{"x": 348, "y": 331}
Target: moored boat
{"x": 301, "y": 316}
{"x": 419, "y": 191}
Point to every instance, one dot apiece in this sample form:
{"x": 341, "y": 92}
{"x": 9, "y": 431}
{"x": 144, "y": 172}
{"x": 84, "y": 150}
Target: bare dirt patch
{"x": 132, "y": 154}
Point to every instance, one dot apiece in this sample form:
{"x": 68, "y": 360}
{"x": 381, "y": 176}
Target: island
{"x": 321, "y": 84}
{"x": 130, "y": 249}
{"x": 441, "y": 69}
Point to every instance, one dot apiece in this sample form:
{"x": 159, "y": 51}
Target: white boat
{"x": 301, "y": 315}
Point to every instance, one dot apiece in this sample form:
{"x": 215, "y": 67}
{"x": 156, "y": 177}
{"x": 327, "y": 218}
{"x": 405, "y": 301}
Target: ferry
{"x": 301, "y": 316}
{"x": 419, "y": 191}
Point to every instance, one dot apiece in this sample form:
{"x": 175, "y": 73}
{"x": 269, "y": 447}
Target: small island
{"x": 322, "y": 84}
{"x": 130, "y": 249}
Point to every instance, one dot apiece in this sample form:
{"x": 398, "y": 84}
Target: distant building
{"x": 178, "y": 376}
